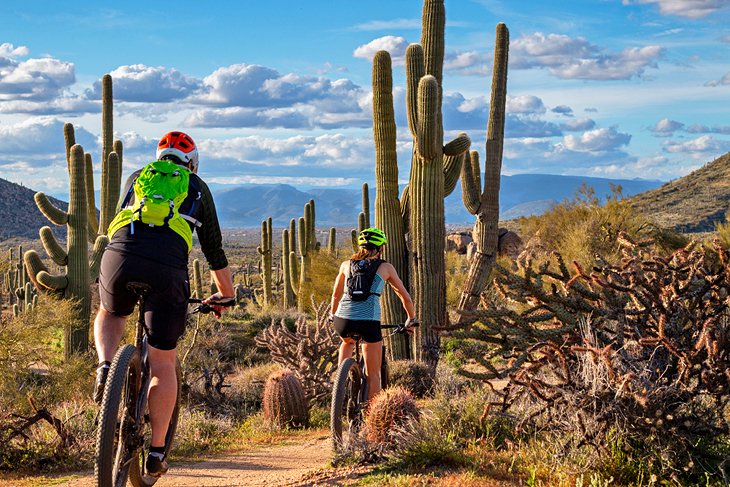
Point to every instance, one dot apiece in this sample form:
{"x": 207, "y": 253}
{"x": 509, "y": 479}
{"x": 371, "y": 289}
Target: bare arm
{"x": 338, "y": 289}
{"x": 400, "y": 290}
{"x": 223, "y": 282}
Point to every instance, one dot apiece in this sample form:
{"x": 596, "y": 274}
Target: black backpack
{"x": 362, "y": 275}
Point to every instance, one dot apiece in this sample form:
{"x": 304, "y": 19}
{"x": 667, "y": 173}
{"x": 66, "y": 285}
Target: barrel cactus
{"x": 392, "y": 408}
{"x": 284, "y": 402}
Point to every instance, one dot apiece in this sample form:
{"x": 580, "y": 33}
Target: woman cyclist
{"x": 362, "y": 316}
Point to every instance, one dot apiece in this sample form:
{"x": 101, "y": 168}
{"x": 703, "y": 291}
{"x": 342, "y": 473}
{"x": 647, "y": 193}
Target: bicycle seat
{"x": 139, "y": 288}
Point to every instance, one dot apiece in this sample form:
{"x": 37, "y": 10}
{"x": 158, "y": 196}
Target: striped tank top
{"x": 362, "y": 310}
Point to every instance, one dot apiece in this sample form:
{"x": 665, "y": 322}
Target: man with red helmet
{"x": 158, "y": 256}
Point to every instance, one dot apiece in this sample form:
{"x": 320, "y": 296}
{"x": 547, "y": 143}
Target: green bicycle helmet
{"x": 372, "y": 236}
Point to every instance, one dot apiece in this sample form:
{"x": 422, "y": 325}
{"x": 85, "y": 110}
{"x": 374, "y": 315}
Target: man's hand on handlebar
{"x": 218, "y": 303}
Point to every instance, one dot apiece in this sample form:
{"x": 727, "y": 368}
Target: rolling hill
{"x": 693, "y": 203}
{"x": 19, "y": 215}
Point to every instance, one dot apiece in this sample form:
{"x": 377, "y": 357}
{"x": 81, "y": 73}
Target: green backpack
{"x": 159, "y": 190}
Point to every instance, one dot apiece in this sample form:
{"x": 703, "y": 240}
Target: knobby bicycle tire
{"x": 121, "y": 390}
{"x": 347, "y": 389}
{"x": 137, "y": 476}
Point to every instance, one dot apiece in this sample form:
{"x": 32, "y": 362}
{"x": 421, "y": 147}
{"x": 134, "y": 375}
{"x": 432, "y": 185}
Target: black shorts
{"x": 166, "y": 306}
{"x": 369, "y": 330}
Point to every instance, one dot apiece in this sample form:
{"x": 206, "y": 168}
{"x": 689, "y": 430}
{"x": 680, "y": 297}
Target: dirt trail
{"x": 285, "y": 465}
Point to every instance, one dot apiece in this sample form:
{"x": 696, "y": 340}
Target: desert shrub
{"x": 323, "y": 270}
{"x": 198, "y": 432}
{"x": 582, "y": 228}
{"x": 415, "y": 376}
{"x": 448, "y": 381}
{"x": 639, "y": 349}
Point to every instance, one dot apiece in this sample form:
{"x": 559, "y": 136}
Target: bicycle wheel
{"x": 137, "y": 475}
{"x": 116, "y": 420}
{"x": 345, "y": 411}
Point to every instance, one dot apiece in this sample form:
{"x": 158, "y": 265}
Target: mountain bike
{"x": 350, "y": 391}
{"x": 123, "y": 419}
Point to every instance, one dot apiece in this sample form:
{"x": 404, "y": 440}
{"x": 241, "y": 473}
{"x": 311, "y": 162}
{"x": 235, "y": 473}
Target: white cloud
{"x": 37, "y": 138}
{"x": 578, "y": 125}
{"x": 473, "y": 63}
{"x": 575, "y": 58}
{"x": 704, "y": 129}
{"x": 603, "y": 139}
{"x": 395, "y": 45}
{"x": 525, "y": 104}
{"x": 700, "y": 145}
{"x": 140, "y": 83}
{"x": 67, "y": 105}
{"x": 691, "y": 9}
{"x": 35, "y": 79}
{"x": 10, "y": 51}
{"x": 666, "y": 127}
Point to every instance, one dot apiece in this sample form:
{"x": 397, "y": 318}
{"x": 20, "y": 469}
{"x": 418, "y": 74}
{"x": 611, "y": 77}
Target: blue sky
{"x": 279, "y": 91}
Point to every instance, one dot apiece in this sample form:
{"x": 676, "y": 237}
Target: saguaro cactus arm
{"x": 471, "y": 183}
{"x": 53, "y": 249}
{"x": 95, "y": 259}
{"x": 54, "y": 214}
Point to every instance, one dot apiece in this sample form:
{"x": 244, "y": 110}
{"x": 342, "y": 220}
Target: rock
{"x": 509, "y": 244}
{"x": 458, "y": 242}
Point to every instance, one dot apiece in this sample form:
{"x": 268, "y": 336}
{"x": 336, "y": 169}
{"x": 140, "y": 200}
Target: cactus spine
{"x": 80, "y": 267}
{"x": 265, "y": 250}
{"x": 485, "y": 203}
{"x": 284, "y": 403}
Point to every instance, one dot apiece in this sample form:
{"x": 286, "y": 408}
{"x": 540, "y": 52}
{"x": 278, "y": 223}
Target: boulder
{"x": 458, "y": 242}
{"x": 509, "y": 244}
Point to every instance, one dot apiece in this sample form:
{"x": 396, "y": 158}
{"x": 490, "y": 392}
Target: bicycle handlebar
{"x": 206, "y": 308}
{"x": 401, "y": 328}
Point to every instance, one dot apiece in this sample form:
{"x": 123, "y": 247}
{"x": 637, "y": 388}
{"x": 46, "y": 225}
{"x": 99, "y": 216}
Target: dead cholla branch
{"x": 16, "y": 425}
{"x": 309, "y": 351}
{"x": 641, "y": 346}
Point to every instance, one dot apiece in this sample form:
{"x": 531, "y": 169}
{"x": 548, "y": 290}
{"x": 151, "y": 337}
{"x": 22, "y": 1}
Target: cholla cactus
{"x": 391, "y": 408}
{"x": 310, "y": 352}
{"x": 284, "y": 403}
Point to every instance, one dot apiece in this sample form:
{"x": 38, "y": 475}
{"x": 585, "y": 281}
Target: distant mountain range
{"x": 247, "y": 205}
{"x": 520, "y": 195}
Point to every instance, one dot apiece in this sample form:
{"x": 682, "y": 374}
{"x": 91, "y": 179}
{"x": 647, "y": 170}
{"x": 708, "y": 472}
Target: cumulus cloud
{"x": 525, "y": 104}
{"x": 703, "y": 144}
{"x": 8, "y": 50}
{"x": 666, "y": 127}
{"x": 66, "y": 105}
{"x": 474, "y": 63}
{"x": 578, "y": 125}
{"x": 602, "y": 139}
{"x": 563, "y": 110}
{"x": 35, "y": 79}
{"x": 395, "y": 45}
{"x": 691, "y": 9}
{"x": 140, "y": 83}
{"x": 704, "y": 129}
{"x": 575, "y": 58}
{"x": 39, "y": 138}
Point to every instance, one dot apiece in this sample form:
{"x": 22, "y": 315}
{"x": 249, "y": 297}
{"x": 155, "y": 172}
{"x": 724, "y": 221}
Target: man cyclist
{"x": 158, "y": 256}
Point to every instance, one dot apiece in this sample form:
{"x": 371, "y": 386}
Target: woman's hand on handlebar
{"x": 410, "y": 323}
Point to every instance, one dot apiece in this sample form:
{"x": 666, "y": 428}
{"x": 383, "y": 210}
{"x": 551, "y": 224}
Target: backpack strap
{"x": 198, "y": 196}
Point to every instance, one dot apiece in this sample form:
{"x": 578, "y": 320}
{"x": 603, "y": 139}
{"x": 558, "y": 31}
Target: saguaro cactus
{"x": 366, "y": 204}
{"x": 288, "y": 295}
{"x": 265, "y": 250}
{"x": 332, "y": 241}
{"x": 80, "y": 267}
{"x": 306, "y": 260}
{"x": 485, "y": 204}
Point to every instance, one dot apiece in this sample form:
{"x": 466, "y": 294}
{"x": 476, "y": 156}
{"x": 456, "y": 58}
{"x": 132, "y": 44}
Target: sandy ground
{"x": 296, "y": 463}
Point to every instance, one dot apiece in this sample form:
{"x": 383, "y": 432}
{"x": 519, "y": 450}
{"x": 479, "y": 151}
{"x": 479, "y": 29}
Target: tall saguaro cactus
{"x": 80, "y": 267}
{"x": 485, "y": 205}
{"x": 306, "y": 259}
{"x": 288, "y": 298}
{"x": 388, "y": 216}
{"x": 265, "y": 250}
{"x": 435, "y": 170}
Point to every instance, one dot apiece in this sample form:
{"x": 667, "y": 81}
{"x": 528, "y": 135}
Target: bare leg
{"x": 346, "y": 348}
{"x": 108, "y": 331}
{"x": 163, "y": 392}
{"x": 373, "y": 353}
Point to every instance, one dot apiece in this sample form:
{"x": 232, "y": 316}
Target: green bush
{"x": 415, "y": 376}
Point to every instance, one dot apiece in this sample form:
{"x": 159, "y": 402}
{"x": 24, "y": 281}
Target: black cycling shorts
{"x": 369, "y": 330}
{"x": 166, "y": 306}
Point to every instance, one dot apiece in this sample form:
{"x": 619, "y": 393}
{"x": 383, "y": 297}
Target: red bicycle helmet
{"x": 180, "y": 145}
